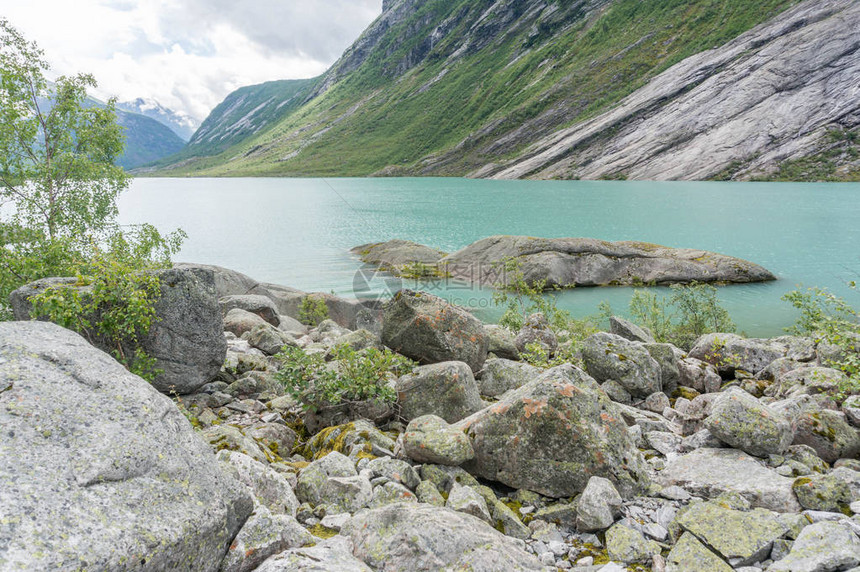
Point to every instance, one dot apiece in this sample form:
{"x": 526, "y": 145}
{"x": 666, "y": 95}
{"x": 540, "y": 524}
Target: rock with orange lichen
{"x": 428, "y": 329}
{"x": 553, "y": 434}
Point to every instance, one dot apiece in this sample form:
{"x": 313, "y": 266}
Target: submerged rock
{"x": 99, "y": 470}
{"x": 566, "y": 262}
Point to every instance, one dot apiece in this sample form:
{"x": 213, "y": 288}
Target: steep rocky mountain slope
{"x": 566, "y": 88}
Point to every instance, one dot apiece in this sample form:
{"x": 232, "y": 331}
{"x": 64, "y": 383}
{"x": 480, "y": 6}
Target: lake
{"x": 298, "y": 232}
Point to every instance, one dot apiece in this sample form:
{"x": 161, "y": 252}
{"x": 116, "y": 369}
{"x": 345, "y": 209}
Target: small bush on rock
{"x": 312, "y": 311}
{"x": 691, "y": 311}
{"x": 352, "y": 377}
{"x": 830, "y": 320}
{"x": 117, "y": 307}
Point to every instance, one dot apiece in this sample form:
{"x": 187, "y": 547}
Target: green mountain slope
{"x": 146, "y": 140}
{"x": 447, "y": 87}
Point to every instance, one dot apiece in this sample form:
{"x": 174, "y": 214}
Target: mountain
{"x": 146, "y": 140}
{"x": 649, "y": 89}
{"x": 180, "y": 123}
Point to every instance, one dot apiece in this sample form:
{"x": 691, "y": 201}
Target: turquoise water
{"x": 298, "y": 232}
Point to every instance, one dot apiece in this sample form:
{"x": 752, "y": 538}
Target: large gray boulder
{"x": 332, "y": 554}
{"x": 500, "y": 375}
{"x": 186, "y": 339}
{"x": 428, "y": 329}
{"x": 406, "y": 536}
{"x": 565, "y": 262}
{"x": 446, "y": 389}
{"x": 608, "y": 356}
{"x": 99, "y": 470}
{"x": 552, "y": 434}
{"x": 821, "y": 546}
{"x": 743, "y": 422}
{"x": 254, "y": 303}
{"x": 731, "y": 352}
{"x": 429, "y": 439}
{"x": 711, "y": 472}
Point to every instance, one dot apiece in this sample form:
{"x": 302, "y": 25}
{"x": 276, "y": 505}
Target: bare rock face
{"x": 99, "y": 470}
{"x": 767, "y": 96}
{"x": 565, "y": 262}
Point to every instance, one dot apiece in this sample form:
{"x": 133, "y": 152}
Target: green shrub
{"x": 521, "y": 298}
{"x": 313, "y": 311}
{"x": 830, "y": 319}
{"x": 115, "y": 309}
{"x": 689, "y": 312}
{"x": 353, "y": 376}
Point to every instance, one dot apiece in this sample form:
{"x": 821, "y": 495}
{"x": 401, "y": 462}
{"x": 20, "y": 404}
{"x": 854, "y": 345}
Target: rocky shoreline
{"x": 561, "y": 262}
{"x": 636, "y": 455}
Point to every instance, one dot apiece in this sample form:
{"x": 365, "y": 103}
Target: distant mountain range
{"x": 640, "y": 89}
{"x": 181, "y": 124}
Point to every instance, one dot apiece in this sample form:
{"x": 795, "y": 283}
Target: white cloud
{"x": 189, "y": 54}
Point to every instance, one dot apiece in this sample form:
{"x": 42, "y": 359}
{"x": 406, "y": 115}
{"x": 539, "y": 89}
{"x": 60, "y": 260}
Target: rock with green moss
{"x": 536, "y": 332}
{"x": 806, "y": 455}
{"x": 229, "y": 438}
{"x": 269, "y": 339}
{"x": 100, "y": 471}
{"x": 807, "y": 380}
{"x": 509, "y": 523}
{"x": 552, "y": 435}
{"x": 467, "y": 500}
{"x": 345, "y": 494}
{"x": 690, "y": 555}
{"x": 607, "y": 356}
{"x": 444, "y": 477}
{"x": 446, "y": 389}
{"x": 710, "y": 472}
{"x": 740, "y": 537}
{"x": 421, "y": 537}
{"x": 560, "y": 513}
{"x": 832, "y": 491}
{"x": 400, "y": 257}
{"x": 598, "y": 507}
{"x": 628, "y": 545}
{"x": 821, "y": 546}
{"x": 264, "y": 534}
{"x": 429, "y": 494}
{"x": 730, "y": 353}
{"x": 429, "y": 439}
{"x": 391, "y": 492}
{"x": 699, "y": 375}
{"x": 357, "y": 340}
{"x": 312, "y": 479}
{"x": 428, "y": 329}
{"x": 278, "y": 439}
{"x": 333, "y": 553}
{"x": 828, "y": 433}
{"x": 270, "y": 487}
{"x": 743, "y": 422}
{"x": 357, "y": 435}
{"x": 395, "y": 470}
{"x": 501, "y": 342}
{"x": 501, "y": 375}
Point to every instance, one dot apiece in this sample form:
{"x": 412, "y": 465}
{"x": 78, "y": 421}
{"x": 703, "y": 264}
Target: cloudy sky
{"x": 189, "y": 54}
